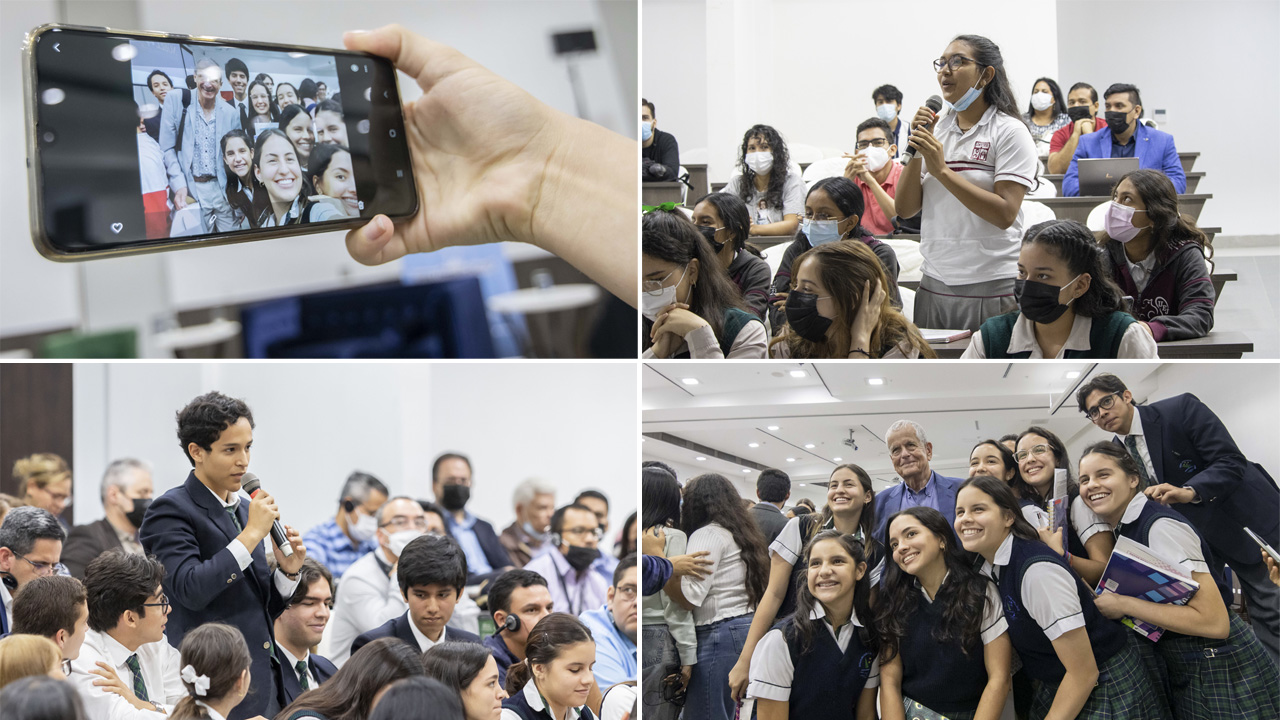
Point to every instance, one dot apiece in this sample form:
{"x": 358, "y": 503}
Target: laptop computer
{"x": 1099, "y": 175}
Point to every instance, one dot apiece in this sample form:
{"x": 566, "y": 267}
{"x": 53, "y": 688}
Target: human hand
{"x": 867, "y": 317}
{"x": 112, "y": 683}
{"x": 665, "y": 346}
{"x": 781, "y": 301}
{"x": 262, "y": 512}
{"x": 180, "y": 198}
{"x": 857, "y": 167}
{"x": 693, "y": 565}
{"x": 292, "y": 564}
{"x": 930, "y": 148}
{"x": 739, "y": 679}
{"x": 491, "y": 164}
{"x": 677, "y": 320}
{"x": 1167, "y": 494}
{"x": 1272, "y": 569}
{"x": 654, "y": 542}
{"x": 924, "y": 116}
{"x": 1053, "y": 538}
{"x": 686, "y": 671}
{"x": 1084, "y": 126}
{"x": 1110, "y": 605}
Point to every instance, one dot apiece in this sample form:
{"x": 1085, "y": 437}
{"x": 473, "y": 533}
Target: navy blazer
{"x": 398, "y": 627}
{"x": 890, "y": 501}
{"x": 188, "y": 530}
{"x": 1190, "y": 447}
{"x": 290, "y": 688}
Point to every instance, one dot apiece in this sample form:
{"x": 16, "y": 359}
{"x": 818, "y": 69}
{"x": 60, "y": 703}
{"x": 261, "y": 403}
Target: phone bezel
{"x": 39, "y": 235}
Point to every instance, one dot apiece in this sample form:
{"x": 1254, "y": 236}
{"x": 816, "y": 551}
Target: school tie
{"x": 235, "y": 519}
{"x": 139, "y": 686}
{"x": 1131, "y": 442}
{"x": 302, "y": 675}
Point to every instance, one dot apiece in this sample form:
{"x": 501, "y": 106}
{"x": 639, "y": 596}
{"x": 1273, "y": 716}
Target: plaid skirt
{"x": 1231, "y": 678}
{"x": 1124, "y": 692}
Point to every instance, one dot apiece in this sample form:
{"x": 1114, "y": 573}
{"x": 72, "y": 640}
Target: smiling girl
{"x": 555, "y": 678}
{"x": 264, "y": 112}
{"x": 821, "y": 662}
{"x": 275, "y": 167}
{"x": 1216, "y": 666}
{"x": 331, "y": 174}
{"x": 237, "y": 155}
{"x": 1081, "y": 663}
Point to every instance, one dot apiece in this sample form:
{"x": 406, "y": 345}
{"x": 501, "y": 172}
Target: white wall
{"x": 573, "y": 424}
{"x": 1210, "y": 65}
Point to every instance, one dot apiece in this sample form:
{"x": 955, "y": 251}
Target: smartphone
{"x": 140, "y": 142}
{"x": 1263, "y": 544}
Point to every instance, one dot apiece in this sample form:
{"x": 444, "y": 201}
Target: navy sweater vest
{"x": 827, "y": 682}
{"x": 1105, "y": 335}
{"x": 520, "y": 706}
{"x": 1140, "y": 531}
{"x": 940, "y": 675}
{"x": 1033, "y": 646}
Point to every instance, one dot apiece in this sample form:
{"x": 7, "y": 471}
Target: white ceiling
{"x": 958, "y": 404}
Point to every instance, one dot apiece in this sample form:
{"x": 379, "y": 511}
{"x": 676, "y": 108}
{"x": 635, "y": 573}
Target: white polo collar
{"x": 1023, "y": 338}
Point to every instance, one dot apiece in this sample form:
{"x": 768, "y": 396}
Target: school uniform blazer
{"x": 1154, "y": 149}
{"x": 188, "y": 531}
{"x": 890, "y": 501}
{"x": 1190, "y": 447}
{"x": 398, "y": 627}
{"x": 290, "y": 689}
{"x": 225, "y": 119}
{"x": 87, "y": 542}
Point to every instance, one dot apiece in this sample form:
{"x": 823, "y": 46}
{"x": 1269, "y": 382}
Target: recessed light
{"x": 773, "y": 428}
{"x": 699, "y": 458}
{"x": 801, "y": 484}
{"x": 837, "y": 459}
{"x": 809, "y": 446}
{"x": 875, "y": 381}
{"x": 791, "y": 459}
{"x": 799, "y": 374}
{"x": 689, "y": 381}
{"x": 745, "y": 470}
{"x": 1073, "y": 374}
{"x": 753, "y": 444}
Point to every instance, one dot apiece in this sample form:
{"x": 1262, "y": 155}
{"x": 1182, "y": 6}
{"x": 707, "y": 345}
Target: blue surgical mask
{"x": 646, "y": 130}
{"x": 887, "y": 112}
{"x": 821, "y": 232}
{"x": 967, "y": 99}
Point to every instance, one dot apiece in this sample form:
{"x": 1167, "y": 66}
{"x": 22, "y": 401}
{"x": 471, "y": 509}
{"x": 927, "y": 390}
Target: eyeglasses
{"x": 595, "y": 532}
{"x": 1038, "y": 451}
{"x": 628, "y": 592}
{"x": 164, "y": 604}
{"x": 43, "y": 569}
{"x": 66, "y": 668}
{"x": 654, "y": 287}
{"x": 955, "y": 62}
{"x": 878, "y": 142}
{"x": 1104, "y": 404}
{"x": 418, "y": 523}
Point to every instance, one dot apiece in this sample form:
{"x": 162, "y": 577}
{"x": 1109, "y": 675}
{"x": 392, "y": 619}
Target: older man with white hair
{"x": 910, "y": 451}
{"x": 193, "y": 136}
{"x": 526, "y": 537}
{"x": 126, "y": 493}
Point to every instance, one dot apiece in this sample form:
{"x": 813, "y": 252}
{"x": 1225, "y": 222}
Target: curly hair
{"x": 963, "y": 592}
{"x": 711, "y": 498}
{"x": 844, "y": 267}
{"x": 777, "y": 175}
{"x": 806, "y": 626}
{"x": 204, "y": 419}
{"x": 1071, "y": 242}
{"x": 1170, "y": 229}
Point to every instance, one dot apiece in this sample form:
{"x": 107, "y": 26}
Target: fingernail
{"x": 377, "y": 229}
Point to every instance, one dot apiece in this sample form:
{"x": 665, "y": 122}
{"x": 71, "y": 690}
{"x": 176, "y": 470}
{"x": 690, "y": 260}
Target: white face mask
{"x": 1041, "y": 101}
{"x": 760, "y": 162}
{"x": 363, "y": 528}
{"x": 887, "y": 112}
{"x": 876, "y": 158}
{"x": 398, "y": 541}
{"x": 651, "y": 304}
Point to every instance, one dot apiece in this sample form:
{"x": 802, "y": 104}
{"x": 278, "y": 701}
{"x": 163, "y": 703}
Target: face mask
{"x": 803, "y": 317}
{"x": 528, "y": 529}
{"x": 710, "y": 234}
{"x": 967, "y": 99}
{"x": 134, "y": 516}
{"x": 397, "y": 542}
{"x": 1039, "y": 301}
{"x": 760, "y": 162}
{"x": 886, "y": 112}
{"x": 1041, "y": 101}
{"x": 1119, "y": 222}
{"x": 876, "y": 158}
{"x": 580, "y": 558}
{"x": 646, "y": 131}
{"x": 821, "y": 232}
{"x": 363, "y": 528}
{"x": 1079, "y": 112}
{"x": 1117, "y": 122}
{"x": 651, "y": 304}
{"x": 455, "y": 497}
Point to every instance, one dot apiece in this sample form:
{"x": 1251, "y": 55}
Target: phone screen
{"x": 148, "y": 142}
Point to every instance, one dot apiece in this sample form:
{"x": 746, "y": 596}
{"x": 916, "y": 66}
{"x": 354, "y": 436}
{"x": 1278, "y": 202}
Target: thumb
{"x": 375, "y": 243}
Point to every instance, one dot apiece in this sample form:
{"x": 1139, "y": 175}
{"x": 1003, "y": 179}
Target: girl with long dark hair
{"x": 969, "y": 176}
{"x": 691, "y": 307}
{"x": 469, "y": 670}
{"x": 771, "y": 188}
{"x": 1159, "y": 257}
{"x": 944, "y": 640}
{"x": 724, "y": 601}
{"x": 284, "y": 199}
{"x": 832, "y": 212}
{"x": 1082, "y": 665}
{"x": 1215, "y": 666}
{"x": 348, "y": 695}
{"x": 264, "y": 114}
{"x": 725, "y": 223}
{"x": 1046, "y": 113}
{"x": 555, "y": 678}
{"x": 215, "y": 672}
{"x": 821, "y": 662}
{"x": 1068, "y": 305}
{"x": 237, "y": 155}
{"x": 850, "y": 509}
{"x": 670, "y": 644}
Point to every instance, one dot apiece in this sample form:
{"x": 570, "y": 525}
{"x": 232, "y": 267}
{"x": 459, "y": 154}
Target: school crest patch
{"x": 980, "y": 150}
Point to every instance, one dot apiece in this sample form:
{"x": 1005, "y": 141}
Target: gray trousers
{"x": 215, "y": 211}
{"x": 961, "y": 307}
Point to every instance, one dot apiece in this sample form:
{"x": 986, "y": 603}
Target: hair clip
{"x": 200, "y": 683}
{"x": 668, "y": 206}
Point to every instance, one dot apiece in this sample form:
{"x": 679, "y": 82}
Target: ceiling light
{"x": 809, "y": 446}
{"x": 799, "y": 374}
{"x": 875, "y": 381}
{"x": 773, "y": 428}
{"x": 801, "y": 484}
{"x": 753, "y": 444}
{"x": 745, "y": 470}
{"x": 791, "y": 459}
{"x": 689, "y": 381}
{"x": 837, "y": 459}
{"x": 699, "y": 458}
{"x": 1073, "y": 374}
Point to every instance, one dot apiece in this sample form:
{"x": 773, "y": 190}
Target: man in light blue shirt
{"x": 451, "y": 483}
{"x": 613, "y": 626}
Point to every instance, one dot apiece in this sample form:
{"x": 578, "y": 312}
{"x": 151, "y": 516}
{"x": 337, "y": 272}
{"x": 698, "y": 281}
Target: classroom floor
{"x": 1251, "y": 304}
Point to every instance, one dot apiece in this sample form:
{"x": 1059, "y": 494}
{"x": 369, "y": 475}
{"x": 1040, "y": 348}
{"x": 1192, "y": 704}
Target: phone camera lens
{"x": 48, "y": 137}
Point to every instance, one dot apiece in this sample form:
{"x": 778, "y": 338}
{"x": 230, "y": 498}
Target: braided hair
{"x": 1071, "y": 242}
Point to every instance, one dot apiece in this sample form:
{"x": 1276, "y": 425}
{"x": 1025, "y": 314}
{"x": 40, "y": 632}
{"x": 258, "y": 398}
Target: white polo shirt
{"x": 960, "y": 248}
{"x": 1135, "y": 343}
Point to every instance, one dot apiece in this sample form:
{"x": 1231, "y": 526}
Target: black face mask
{"x": 455, "y": 497}
{"x": 710, "y": 234}
{"x": 1079, "y": 112}
{"x": 1117, "y": 122}
{"x": 580, "y": 558}
{"x": 803, "y": 317}
{"x": 1039, "y": 301}
{"x": 134, "y": 516}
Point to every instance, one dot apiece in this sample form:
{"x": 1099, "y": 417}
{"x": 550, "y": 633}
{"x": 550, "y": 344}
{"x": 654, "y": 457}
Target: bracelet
{"x": 859, "y": 350}
{"x": 291, "y": 576}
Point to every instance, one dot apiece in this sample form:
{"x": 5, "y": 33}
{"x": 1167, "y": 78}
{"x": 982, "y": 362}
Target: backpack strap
{"x": 182, "y": 123}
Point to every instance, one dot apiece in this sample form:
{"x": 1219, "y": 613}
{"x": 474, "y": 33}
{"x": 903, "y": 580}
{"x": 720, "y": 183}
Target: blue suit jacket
{"x": 1190, "y": 447}
{"x": 890, "y": 501}
{"x": 290, "y": 689}
{"x": 398, "y": 627}
{"x": 188, "y": 531}
{"x": 1153, "y": 148}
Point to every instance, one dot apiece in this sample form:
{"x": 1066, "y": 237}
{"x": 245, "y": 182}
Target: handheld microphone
{"x": 934, "y": 103}
{"x": 252, "y": 485}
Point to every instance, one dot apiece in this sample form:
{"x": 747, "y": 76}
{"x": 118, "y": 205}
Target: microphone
{"x": 934, "y": 103}
{"x": 252, "y": 485}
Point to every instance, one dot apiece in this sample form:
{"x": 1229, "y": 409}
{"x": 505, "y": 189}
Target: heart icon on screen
{"x": 117, "y": 227}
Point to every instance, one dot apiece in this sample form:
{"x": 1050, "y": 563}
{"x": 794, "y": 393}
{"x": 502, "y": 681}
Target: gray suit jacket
{"x": 225, "y": 120}
{"x": 769, "y": 519}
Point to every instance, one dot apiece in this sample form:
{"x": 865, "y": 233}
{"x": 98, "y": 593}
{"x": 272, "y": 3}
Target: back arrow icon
{"x": 55, "y": 48}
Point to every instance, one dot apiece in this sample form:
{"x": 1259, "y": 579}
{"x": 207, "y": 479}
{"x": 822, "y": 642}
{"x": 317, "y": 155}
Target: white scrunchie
{"x": 199, "y": 682}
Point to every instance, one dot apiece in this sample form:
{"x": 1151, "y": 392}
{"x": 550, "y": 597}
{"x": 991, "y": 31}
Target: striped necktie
{"x": 235, "y": 519}
{"x": 1131, "y": 442}
{"x": 302, "y": 675}
{"x": 139, "y": 686}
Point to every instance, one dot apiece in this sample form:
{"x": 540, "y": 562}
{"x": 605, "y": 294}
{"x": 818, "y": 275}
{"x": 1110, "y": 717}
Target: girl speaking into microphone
{"x": 968, "y": 175}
